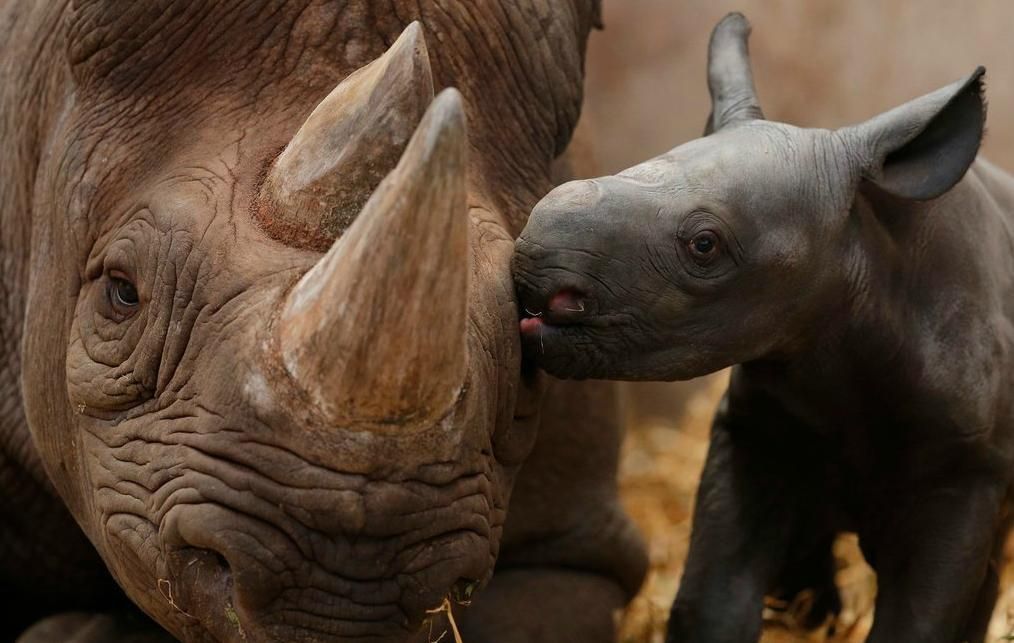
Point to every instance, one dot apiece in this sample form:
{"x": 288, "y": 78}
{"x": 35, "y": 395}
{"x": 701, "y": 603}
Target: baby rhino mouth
{"x": 555, "y": 330}
{"x": 565, "y": 307}
{"x": 564, "y": 315}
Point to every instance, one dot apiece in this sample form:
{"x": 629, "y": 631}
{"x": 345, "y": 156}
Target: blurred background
{"x": 817, "y": 64}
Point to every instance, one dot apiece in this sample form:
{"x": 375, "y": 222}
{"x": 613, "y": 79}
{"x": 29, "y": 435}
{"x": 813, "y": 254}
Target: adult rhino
{"x": 259, "y": 340}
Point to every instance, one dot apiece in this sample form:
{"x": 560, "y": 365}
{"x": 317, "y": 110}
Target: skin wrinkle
{"x": 182, "y": 296}
{"x": 511, "y": 162}
{"x": 521, "y": 50}
{"x": 219, "y": 455}
{"x": 270, "y": 522}
{"x": 337, "y": 591}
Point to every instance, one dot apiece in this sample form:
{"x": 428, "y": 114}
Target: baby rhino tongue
{"x": 530, "y": 325}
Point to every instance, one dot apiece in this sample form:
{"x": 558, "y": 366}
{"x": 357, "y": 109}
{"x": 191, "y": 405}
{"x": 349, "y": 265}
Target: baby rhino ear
{"x": 922, "y": 149}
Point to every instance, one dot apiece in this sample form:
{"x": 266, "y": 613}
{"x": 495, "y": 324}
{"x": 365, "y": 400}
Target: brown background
{"x": 816, "y": 63}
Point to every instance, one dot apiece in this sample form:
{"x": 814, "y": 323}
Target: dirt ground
{"x": 818, "y": 64}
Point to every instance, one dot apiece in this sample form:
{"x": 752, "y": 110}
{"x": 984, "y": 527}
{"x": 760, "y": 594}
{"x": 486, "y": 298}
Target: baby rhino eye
{"x": 123, "y": 296}
{"x": 703, "y": 245}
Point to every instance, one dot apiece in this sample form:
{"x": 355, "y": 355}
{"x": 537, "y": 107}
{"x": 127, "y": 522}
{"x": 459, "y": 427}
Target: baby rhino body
{"x": 862, "y": 282}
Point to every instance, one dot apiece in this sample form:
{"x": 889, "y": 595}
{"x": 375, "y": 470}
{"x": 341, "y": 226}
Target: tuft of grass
{"x": 444, "y": 608}
{"x": 233, "y": 618}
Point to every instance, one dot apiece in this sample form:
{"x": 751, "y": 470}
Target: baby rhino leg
{"x": 985, "y": 602}
{"x": 810, "y": 567}
{"x": 759, "y": 523}
{"x": 936, "y": 562}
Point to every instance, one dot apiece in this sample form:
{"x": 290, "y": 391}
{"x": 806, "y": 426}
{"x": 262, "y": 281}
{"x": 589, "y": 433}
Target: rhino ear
{"x": 921, "y": 150}
{"x": 730, "y": 79}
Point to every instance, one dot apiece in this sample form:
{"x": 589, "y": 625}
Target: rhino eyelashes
{"x": 352, "y": 139}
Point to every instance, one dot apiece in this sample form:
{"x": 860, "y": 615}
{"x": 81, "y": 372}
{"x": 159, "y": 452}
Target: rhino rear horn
{"x": 730, "y": 80}
{"x": 350, "y": 141}
{"x": 376, "y": 330}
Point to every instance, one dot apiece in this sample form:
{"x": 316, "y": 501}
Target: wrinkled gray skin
{"x": 165, "y": 450}
{"x": 862, "y": 281}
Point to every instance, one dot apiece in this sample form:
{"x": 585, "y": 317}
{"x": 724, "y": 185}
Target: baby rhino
{"x": 862, "y": 282}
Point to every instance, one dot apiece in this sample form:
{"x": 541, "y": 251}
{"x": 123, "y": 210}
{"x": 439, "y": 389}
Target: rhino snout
{"x": 551, "y": 289}
{"x": 245, "y": 576}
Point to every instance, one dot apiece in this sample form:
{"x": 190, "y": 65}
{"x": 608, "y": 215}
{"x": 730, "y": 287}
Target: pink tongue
{"x": 530, "y": 325}
{"x": 566, "y": 301}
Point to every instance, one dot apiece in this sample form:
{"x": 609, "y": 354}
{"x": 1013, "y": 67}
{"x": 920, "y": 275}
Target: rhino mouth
{"x": 248, "y": 580}
{"x": 565, "y": 307}
{"x": 565, "y": 316}
{"x": 551, "y": 312}
{"x": 571, "y": 331}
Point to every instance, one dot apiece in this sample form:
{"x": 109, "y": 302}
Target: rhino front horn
{"x": 348, "y": 144}
{"x": 376, "y": 330}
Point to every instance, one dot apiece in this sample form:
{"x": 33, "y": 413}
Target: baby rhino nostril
{"x": 568, "y": 300}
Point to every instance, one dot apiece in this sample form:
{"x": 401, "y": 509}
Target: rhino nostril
{"x": 463, "y": 589}
{"x": 194, "y": 574}
{"x": 220, "y": 560}
{"x": 208, "y": 560}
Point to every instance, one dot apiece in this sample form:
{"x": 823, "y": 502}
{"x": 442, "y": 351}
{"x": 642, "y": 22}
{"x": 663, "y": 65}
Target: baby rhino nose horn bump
{"x": 575, "y": 194}
{"x": 553, "y": 217}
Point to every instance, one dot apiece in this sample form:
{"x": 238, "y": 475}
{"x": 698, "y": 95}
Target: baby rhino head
{"x": 731, "y": 247}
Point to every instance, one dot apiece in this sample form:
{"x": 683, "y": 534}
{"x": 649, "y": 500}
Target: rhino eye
{"x": 123, "y": 296}
{"x": 704, "y": 245}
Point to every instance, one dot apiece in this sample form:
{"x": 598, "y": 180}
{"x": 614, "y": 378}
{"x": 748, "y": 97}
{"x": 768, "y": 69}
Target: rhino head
{"x": 274, "y": 365}
{"x": 735, "y": 246}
